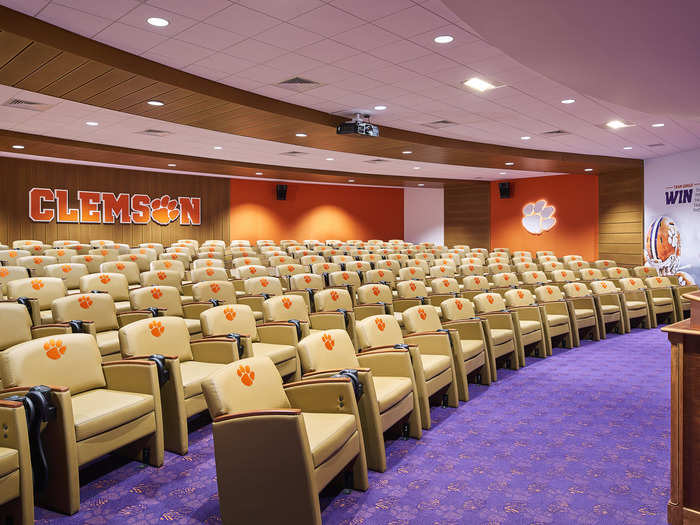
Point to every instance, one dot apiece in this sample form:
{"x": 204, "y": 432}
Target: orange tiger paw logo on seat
{"x": 412, "y": 286}
{"x": 375, "y": 290}
{"x": 445, "y": 283}
{"x": 633, "y": 282}
{"x": 459, "y": 304}
{"x": 521, "y": 294}
{"x": 88, "y": 258}
{"x": 156, "y": 328}
{"x": 173, "y": 256}
{"x": 104, "y": 279}
{"x": 164, "y": 211}
{"x": 442, "y": 269}
{"x": 490, "y": 299}
{"x": 38, "y": 260}
{"x": 167, "y": 264}
{"x": 286, "y": 302}
{"x": 326, "y": 266}
{"x": 215, "y": 287}
{"x": 37, "y": 284}
{"x": 506, "y": 277}
{"x": 604, "y": 285}
{"x": 422, "y": 314}
{"x": 290, "y": 268}
{"x": 264, "y": 282}
{"x": 619, "y": 271}
{"x": 381, "y": 273}
{"x": 103, "y": 252}
{"x": 209, "y": 263}
{"x": 658, "y": 280}
{"x": 577, "y": 287}
{"x": 12, "y": 253}
{"x": 209, "y": 272}
{"x": 246, "y": 374}
{"x": 4, "y": 272}
{"x": 253, "y": 270}
{"x": 229, "y": 313}
{"x": 335, "y": 295}
{"x": 66, "y": 268}
{"x": 346, "y": 276}
{"x": 162, "y": 276}
{"x": 307, "y": 279}
{"x": 328, "y": 341}
{"x": 549, "y": 290}
{"x": 84, "y": 301}
{"x": 120, "y": 266}
{"x": 156, "y": 293}
{"x": 590, "y": 272}
{"x": 380, "y": 324}
{"x": 134, "y": 257}
{"x": 54, "y": 348}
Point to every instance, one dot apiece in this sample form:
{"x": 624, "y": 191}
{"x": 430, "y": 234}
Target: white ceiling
{"x": 365, "y": 53}
{"x": 66, "y": 119}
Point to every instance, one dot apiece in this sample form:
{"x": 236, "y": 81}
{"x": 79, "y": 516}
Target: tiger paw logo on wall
{"x": 538, "y": 217}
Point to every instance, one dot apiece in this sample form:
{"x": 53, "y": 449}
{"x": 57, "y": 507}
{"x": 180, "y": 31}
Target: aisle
{"x": 578, "y": 438}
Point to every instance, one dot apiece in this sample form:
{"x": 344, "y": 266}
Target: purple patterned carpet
{"x": 578, "y": 438}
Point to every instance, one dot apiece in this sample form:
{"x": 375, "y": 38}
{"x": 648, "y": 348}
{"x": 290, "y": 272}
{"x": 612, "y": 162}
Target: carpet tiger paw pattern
{"x": 246, "y": 375}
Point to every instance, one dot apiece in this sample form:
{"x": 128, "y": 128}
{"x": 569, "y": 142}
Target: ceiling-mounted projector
{"x": 358, "y": 126}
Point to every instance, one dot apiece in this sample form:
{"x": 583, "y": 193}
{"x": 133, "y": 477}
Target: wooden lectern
{"x": 684, "y": 505}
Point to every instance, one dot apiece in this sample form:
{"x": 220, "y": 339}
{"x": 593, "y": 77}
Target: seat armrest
{"x": 391, "y": 362}
{"x": 435, "y": 343}
{"x": 466, "y": 328}
{"x": 258, "y": 413}
{"x": 15, "y": 434}
{"x": 555, "y": 307}
{"x": 325, "y": 395}
{"x": 315, "y": 374}
{"x": 133, "y": 375}
{"x": 403, "y": 304}
{"x": 327, "y": 320}
{"x": 278, "y": 333}
{"x": 526, "y": 313}
{"x": 498, "y": 320}
{"x": 192, "y": 310}
{"x": 50, "y": 329}
{"x": 125, "y": 318}
{"x": 215, "y": 350}
{"x": 254, "y": 301}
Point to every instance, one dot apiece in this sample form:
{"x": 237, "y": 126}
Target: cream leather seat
{"x": 637, "y": 305}
{"x": 167, "y": 278}
{"x": 529, "y": 322}
{"x": 167, "y": 298}
{"x": 128, "y": 269}
{"x": 100, "y": 407}
{"x": 609, "y": 306}
{"x": 199, "y": 275}
{"x": 293, "y": 307}
{"x": 556, "y": 316}
{"x": 662, "y": 300}
{"x": 70, "y": 273}
{"x": 224, "y": 292}
{"x": 499, "y": 327}
{"x": 44, "y": 289}
{"x": 582, "y": 311}
{"x": 11, "y": 273}
{"x": 291, "y": 441}
{"x": 115, "y": 284}
{"x": 16, "y": 490}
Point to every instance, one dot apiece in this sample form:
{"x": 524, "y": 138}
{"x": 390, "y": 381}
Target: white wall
{"x": 424, "y": 215}
{"x": 672, "y": 189}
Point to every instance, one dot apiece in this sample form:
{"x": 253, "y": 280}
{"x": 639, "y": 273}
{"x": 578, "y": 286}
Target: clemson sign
{"x": 99, "y": 207}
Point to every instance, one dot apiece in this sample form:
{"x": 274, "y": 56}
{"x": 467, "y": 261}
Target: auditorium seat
{"x": 167, "y": 278}
{"x": 582, "y": 311}
{"x": 43, "y": 289}
{"x": 92, "y": 262}
{"x": 115, "y": 284}
{"x": 609, "y": 306}
{"x": 62, "y": 255}
{"x": 16, "y": 491}
{"x": 604, "y": 264}
{"x": 529, "y": 321}
{"x": 350, "y": 280}
{"x": 500, "y": 327}
{"x": 168, "y": 264}
{"x": 290, "y": 441}
{"x": 10, "y": 257}
{"x": 662, "y": 299}
{"x": 432, "y": 363}
{"x": 473, "y": 285}
{"x": 101, "y": 408}
{"x": 168, "y": 299}
{"x": 556, "y": 316}
{"x": 11, "y": 273}
{"x": 207, "y": 263}
{"x": 208, "y": 274}
{"x": 294, "y": 308}
{"x": 109, "y": 254}
{"x": 635, "y": 302}
{"x": 36, "y": 264}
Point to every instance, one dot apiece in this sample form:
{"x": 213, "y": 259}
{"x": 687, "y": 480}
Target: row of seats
{"x": 314, "y": 369}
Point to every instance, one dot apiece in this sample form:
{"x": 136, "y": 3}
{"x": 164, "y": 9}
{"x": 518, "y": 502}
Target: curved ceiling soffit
{"x": 644, "y": 55}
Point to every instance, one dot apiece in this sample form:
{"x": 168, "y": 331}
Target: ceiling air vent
{"x": 298, "y": 84}
{"x": 294, "y": 153}
{"x": 555, "y": 133}
{"x": 26, "y": 104}
{"x": 438, "y": 124}
{"x": 657, "y": 145}
{"x": 155, "y": 132}
{"x": 376, "y": 161}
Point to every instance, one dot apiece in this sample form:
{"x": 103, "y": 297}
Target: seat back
{"x": 645, "y": 271}
{"x": 291, "y": 269}
{"x": 96, "y": 307}
{"x": 285, "y": 307}
{"x": 92, "y": 262}
{"x": 37, "y": 263}
{"x": 209, "y": 274}
{"x": 445, "y": 270}
{"x": 592, "y": 274}
{"x": 156, "y": 335}
{"x": 45, "y": 289}
{"x": 308, "y": 260}
{"x": 162, "y": 278}
{"x": 70, "y": 273}
{"x": 601, "y": 287}
{"x": 547, "y": 294}
{"x": 535, "y": 277}
{"x": 476, "y": 282}
{"x": 12, "y": 273}
{"x": 444, "y": 285}
{"x": 489, "y": 302}
{"x": 263, "y": 285}
{"x": 15, "y": 324}
{"x": 563, "y": 276}
{"x": 389, "y": 264}
{"x": 603, "y": 264}
{"x": 325, "y": 267}
{"x": 141, "y": 261}
{"x": 63, "y": 255}
{"x": 519, "y": 297}
{"x": 115, "y": 284}
{"x": 344, "y": 278}
{"x": 499, "y": 268}
{"x": 380, "y": 276}
{"x": 305, "y": 281}
{"x": 166, "y": 297}
{"x": 280, "y": 260}
{"x": 418, "y": 263}
{"x": 631, "y": 284}
{"x": 358, "y": 266}
{"x": 327, "y": 350}
{"x": 410, "y": 289}
{"x": 11, "y": 256}
{"x": 374, "y": 293}
{"x": 68, "y": 360}
{"x": 128, "y": 269}
{"x": 166, "y": 264}
{"x": 222, "y": 291}
{"x": 378, "y": 330}
{"x": 658, "y": 282}
{"x": 149, "y": 253}
{"x": 246, "y": 261}
{"x": 505, "y": 280}
{"x": 550, "y": 266}
{"x": 184, "y": 258}
{"x": 331, "y": 299}
{"x": 544, "y": 253}
{"x": 576, "y": 290}
{"x": 457, "y": 309}
{"x": 229, "y": 319}
{"x": 617, "y": 272}
{"x": 25, "y": 243}
{"x": 524, "y": 267}
{"x": 578, "y": 264}
{"x": 568, "y": 258}
{"x": 156, "y": 246}
{"x": 248, "y": 384}
{"x": 412, "y": 273}
{"x": 207, "y": 263}
{"x": 472, "y": 269}
{"x": 109, "y": 254}
{"x": 253, "y": 270}
{"x": 421, "y": 319}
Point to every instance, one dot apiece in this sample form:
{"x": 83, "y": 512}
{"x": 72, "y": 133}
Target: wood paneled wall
{"x": 468, "y": 214}
{"x": 18, "y": 176}
{"x": 621, "y": 217}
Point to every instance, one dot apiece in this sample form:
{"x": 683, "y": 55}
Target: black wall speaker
{"x": 504, "y": 190}
{"x": 281, "y": 192}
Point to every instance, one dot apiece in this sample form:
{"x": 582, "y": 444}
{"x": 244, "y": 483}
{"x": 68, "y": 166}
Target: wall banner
{"x": 95, "y": 207}
{"x": 672, "y": 225}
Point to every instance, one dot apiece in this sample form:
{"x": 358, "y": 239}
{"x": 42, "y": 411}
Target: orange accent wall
{"x": 314, "y": 211}
{"x": 575, "y": 198}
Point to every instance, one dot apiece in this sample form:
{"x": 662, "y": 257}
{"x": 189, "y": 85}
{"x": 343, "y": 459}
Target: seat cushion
{"x": 100, "y": 410}
{"x": 278, "y": 353}
{"x": 193, "y": 373}
{"x": 391, "y": 390}
{"x": 108, "y": 342}
{"x": 9, "y": 460}
{"x": 609, "y": 308}
{"x": 557, "y": 319}
{"x": 636, "y": 305}
{"x": 327, "y": 433}
{"x": 471, "y": 348}
{"x": 662, "y": 301}
{"x": 193, "y": 326}
{"x": 584, "y": 313}
{"x": 434, "y": 365}
{"x": 500, "y": 335}
{"x": 527, "y": 327}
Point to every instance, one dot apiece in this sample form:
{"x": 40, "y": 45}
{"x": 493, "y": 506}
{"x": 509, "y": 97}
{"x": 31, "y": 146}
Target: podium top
{"x": 692, "y": 325}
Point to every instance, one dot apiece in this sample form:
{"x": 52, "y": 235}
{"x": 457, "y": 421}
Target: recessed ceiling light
{"x": 158, "y": 22}
{"x": 172, "y": 165}
{"x": 501, "y": 172}
{"x": 351, "y": 180}
{"x": 17, "y": 146}
{"x": 218, "y": 147}
{"x": 91, "y": 123}
{"x": 156, "y": 103}
{"x": 421, "y": 185}
{"x": 407, "y": 152}
{"x": 627, "y": 147}
{"x": 588, "y": 169}
{"x": 616, "y": 124}
{"x": 258, "y": 172}
{"x": 330, "y": 158}
{"x": 479, "y": 84}
{"x": 302, "y": 135}
{"x": 416, "y": 167}
{"x": 380, "y": 108}
{"x": 510, "y": 163}
{"x": 443, "y": 39}
{"x": 526, "y": 137}
{"x": 658, "y": 125}
{"x": 568, "y": 101}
